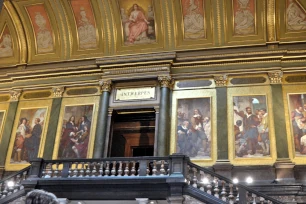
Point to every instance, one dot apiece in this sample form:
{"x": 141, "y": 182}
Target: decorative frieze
{"x": 106, "y": 85}
{"x": 15, "y": 94}
{"x": 166, "y": 81}
{"x": 275, "y": 77}
{"x": 220, "y": 80}
{"x": 58, "y": 91}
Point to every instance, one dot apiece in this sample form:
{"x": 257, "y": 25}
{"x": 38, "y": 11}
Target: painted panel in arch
{"x": 76, "y": 131}
{"x": 194, "y": 127}
{"x": 193, "y": 15}
{"x": 244, "y": 17}
{"x": 42, "y": 28}
{"x": 138, "y": 21}
{"x": 28, "y": 135}
{"x": 6, "y": 46}
{"x": 85, "y": 23}
{"x": 296, "y": 16}
{"x": 251, "y": 126}
{"x": 297, "y": 108}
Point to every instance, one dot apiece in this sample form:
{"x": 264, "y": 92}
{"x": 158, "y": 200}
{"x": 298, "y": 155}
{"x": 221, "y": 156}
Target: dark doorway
{"x": 132, "y": 133}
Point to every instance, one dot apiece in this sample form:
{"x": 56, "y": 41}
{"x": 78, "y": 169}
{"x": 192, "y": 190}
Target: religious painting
{"x": 193, "y": 18}
{"x": 6, "y": 46}
{"x": 194, "y": 127}
{"x": 75, "y": 131}
{"x": 251, "y": 126}
{"x": 296, "y": 16}
{"x": 28, "y": 135}
{"x": 85, "y": 23}
{"x": 42, "y": 28}
{"x": 138, "y": 21}
{"x": 244, "y": 17}
{"x": 297, "y": 113}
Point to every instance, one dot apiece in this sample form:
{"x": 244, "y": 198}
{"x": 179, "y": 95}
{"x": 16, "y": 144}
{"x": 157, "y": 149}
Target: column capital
{"x": 58, "y": 91}
{"x": 275, "y": 77}
{"x": 15, "y": 94}
{"x": 106, "y": 85}
{"x": 220, "y": 80}
{"x": 165, "y": 81}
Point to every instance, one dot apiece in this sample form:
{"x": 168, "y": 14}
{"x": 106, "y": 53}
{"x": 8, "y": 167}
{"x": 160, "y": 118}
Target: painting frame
{"x": 3, "y": 108}
{"x": 287, "y": 91}
{"x": 250, "y": 91}
{"x": 28, "y": 105}
{"x": 195, "y": 94}
{"x": 80, "y": 101}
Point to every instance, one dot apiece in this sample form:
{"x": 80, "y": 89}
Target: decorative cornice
{"x": 166, "y": 81}
{"x": 106, "y": 85}
{"x": 275, "y": 77}
{"x": 220, "y": 80}
{"x": 58, "y": 91}
{"x": 15, "y": 94}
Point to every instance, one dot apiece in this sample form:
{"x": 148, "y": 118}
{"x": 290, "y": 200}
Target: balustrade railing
{"x": 12, "y": 183}
{"x": 223, "y": 188}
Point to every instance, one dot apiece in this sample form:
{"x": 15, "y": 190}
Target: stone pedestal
{"x": 284, "y": 171}
{"x": 224, "y": 168}
{"x": 175, "y": 199}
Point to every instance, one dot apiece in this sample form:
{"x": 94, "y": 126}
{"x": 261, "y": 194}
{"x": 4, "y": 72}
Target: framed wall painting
{"x": 193, "y": 128}
{"x": 76, "y": 128}
{"x": 28, "y": 134}
{"x": 295, "y": 111}
{"x": 250, "y": 126}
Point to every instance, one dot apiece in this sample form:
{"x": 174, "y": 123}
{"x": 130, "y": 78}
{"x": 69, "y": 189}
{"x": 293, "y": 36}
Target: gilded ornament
{"x": 221, "y": 80}
{"x": 166, "y": 81}
{"x": 15, "y": 94}
{"x": 106, "y": 85}
{"x": 58, "y": 91}
{"x": 275, "y": 77}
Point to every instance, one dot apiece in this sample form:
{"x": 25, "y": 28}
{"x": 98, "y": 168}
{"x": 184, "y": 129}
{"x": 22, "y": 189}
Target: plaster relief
{"x": 6, "y": 47}
{"x": 244, "y": 17}
{"x": 296, "y": 16}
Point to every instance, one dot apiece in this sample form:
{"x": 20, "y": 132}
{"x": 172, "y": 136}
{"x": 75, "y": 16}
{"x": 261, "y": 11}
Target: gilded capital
{"x": 15, "y": 94}
{"x": 220, "y": 80}
{"x": 166, "y": 81}
{"x": 275, "y": 77}
{"x": 106, "y": 85}
{"x": 58, "y": 91}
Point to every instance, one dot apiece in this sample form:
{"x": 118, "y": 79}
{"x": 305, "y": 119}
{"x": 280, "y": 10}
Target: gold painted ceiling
{"x": 43, "y": 31}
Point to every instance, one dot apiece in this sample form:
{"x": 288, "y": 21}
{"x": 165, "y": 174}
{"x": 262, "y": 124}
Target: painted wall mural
{"x": 75, "y": 133}
{"x": 251, "y": 126}
{"x": 42, "y": 28}
{"x": 194, "y": 127}
{"x": 297, "y": 108}
{"x": 244, "y": 17}
{"x": 193, "y": 15}
{"x": 138, "y": 21}
{"x": 28, "y": 135}
{"x": 296, "y": 16}
{"x": 85, "y": 23}
{"x": 6, "y": 46}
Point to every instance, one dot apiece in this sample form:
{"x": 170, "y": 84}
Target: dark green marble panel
{"x": 222, "y": 137}
{"x": 7, "y": 131}
{"x": 279, "y": 121}
{"x": 52, "y": 128}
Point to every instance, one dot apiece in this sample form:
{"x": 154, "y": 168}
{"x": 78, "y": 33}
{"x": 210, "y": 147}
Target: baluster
{"x": 126, "y": 170}
{"x": 254, "y": 198}
{"x": 223, "y": 192}
{"x": 100, "y": 169}
{"x": 209, "y": 186}
{"x": 201, "y": 182}
{"x": 55, "y": 175}
{"x": 194, "y": 179}
{"x": 24, "y": 175}
{"x": 120, "y": 169}
{"x": 87, "y": 172}
{"x": 48, "y": 171}
{"x": 74, "y": 166}
{"x": 113, "y": 171}
{"x": 162, "y": 168}
{"x": 94, "y": 169}
{"x": 154, "y": 170}
{"x": 237, "y": 198}
{"x": 231, "y": 196}
{"x": 148, "y": 168}
{"x": 262, "y": 200}
{"x": 5, "y": 191}
{"x": 216, "y": 189}
{"x": 188, "y": 175}
{"x": 70, "y": 170}
{"x": 82, "y": 170}
{"x": 133, "y": 169}
{"x": 107, "y": 169}
{"x": 43, "y": 173}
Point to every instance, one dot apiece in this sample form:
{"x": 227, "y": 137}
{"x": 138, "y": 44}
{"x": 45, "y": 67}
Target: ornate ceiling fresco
{"x": 40, "y": 31}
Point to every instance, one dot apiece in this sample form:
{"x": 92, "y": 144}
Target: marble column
{"x": 8, "y": 126}
{"x": 166, "y": 83}
{"x": 53, "y": 122}
{"x": 101, "y": 130}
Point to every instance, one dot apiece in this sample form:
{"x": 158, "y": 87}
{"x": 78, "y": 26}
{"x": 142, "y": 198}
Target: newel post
{"x": 34, "y": 174}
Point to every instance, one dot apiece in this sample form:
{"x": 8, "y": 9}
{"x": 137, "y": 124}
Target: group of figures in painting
{"x": 28, "y": 135}
{"x": 194, "y": 128}
{"x": 251, "y": 126}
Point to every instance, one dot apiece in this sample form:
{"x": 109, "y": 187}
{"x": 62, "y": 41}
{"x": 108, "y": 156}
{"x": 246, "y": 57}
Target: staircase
{"x": 157, "y": 178}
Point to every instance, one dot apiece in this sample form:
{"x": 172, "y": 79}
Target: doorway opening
{"x": 133, "y": 133}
